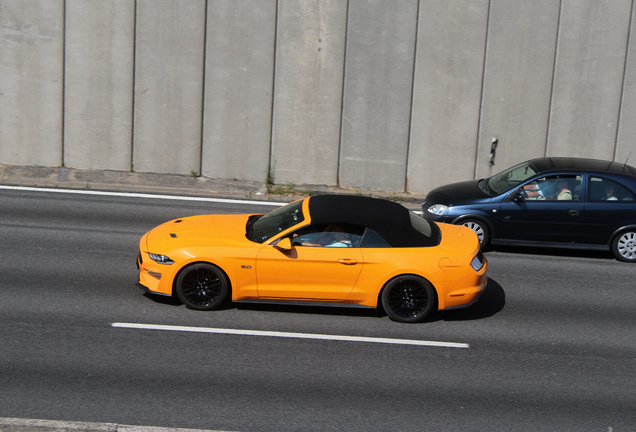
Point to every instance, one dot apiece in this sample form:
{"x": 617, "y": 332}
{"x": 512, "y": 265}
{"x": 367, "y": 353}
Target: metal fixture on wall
{"x": 493, "y": 151}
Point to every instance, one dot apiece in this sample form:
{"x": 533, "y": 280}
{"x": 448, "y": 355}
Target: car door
{"x": 309, "y": 270}
{"x": 550, "y": 209}
{"x": 609, "y": 206}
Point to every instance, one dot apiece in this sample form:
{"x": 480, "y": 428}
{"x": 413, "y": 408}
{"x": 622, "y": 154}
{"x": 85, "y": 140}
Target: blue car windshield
{"x": 509, "y": 178}
{"x": 265, "y": 227}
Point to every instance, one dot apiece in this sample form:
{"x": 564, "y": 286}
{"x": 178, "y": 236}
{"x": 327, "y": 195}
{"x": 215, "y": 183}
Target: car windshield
{"x": 509, "y": 178}
{"x": 262, "y": 228}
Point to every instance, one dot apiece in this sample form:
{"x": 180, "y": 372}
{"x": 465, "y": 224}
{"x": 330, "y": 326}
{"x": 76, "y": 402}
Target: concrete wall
{"x": 521, "y": 47}
{"x": 168, "y": 95}
{"x": 308, "y": 90}
{"x": 378, "y": 85}
{"x": 626, "y": 124}
{"x": 31, "y": 82}
{"x": 238, "y": 94}
{"x": 449, "y": 71}
{"x": 98, "y": 71}
{"x": 588, "y": 77}
{"x": 375, "y": 94}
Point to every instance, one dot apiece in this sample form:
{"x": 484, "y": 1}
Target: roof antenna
{"x": 625, "y": 164}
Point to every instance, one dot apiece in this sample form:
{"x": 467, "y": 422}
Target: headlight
{"x": 160, "y": 259}
{"x": 437, "y": 209}
{"x": 478, "y": 262}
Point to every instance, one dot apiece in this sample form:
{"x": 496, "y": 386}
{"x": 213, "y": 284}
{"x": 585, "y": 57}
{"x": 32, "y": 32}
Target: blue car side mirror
{"x": 517, "y": 197}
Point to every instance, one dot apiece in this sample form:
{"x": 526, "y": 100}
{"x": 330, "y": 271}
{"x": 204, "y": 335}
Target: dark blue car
{"x": 549, "y": 202}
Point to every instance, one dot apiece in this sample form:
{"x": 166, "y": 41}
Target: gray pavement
{"x": 69, "y": 178}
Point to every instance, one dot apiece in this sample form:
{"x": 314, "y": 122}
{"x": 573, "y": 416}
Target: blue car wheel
{"x": 478, "y": 228}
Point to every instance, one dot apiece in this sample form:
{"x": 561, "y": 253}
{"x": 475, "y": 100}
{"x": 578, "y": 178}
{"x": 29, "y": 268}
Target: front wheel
{"x": 478, "y": 228}
{"x": 624, "y": 246}
{"x": 202, "y": 286}
{"x": 408, "y": 298}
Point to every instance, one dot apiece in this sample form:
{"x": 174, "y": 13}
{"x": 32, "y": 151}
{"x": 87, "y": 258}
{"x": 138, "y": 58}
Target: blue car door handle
{"x": 573, "y": 212}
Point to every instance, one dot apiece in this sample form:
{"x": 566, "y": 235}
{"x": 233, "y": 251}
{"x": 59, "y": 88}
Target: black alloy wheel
{"x": 408, "y": 298}
{"x": 202, "y": 286}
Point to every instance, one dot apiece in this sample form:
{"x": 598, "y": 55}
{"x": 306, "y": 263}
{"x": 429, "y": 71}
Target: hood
{"x": 206, "y": 229}
{"x": 457, "y": 193}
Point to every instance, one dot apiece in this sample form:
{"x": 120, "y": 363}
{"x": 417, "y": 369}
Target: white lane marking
{"x": 142, "y": 195}
{"x": 10, "y": 424}
{"x": 151, "y": 196}
{"x": 290, "y": 335}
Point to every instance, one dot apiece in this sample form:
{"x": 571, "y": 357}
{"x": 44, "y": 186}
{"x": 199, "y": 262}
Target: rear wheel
{"x": 624, "y": 246}
{"x": 202, "y": 286}
{"x": 408, "y": 298}
{"x": 478, "y": 228}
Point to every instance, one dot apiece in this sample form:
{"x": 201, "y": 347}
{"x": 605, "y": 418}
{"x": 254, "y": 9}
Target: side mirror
{"x": 284, "y": 245}
{"x": 517, "y": 196}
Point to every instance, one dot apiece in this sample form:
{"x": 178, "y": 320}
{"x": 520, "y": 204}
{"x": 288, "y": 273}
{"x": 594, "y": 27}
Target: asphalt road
{"x": 550, "y": 346}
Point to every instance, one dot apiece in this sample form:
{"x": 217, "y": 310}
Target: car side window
{"x": 603, "y": 189}
{"x": 553, "y": 188}
{"x": 328, "y": 235}
{"x": 373, "y": 240}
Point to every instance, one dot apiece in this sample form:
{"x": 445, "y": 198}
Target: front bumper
{"x": 151, "y": 278}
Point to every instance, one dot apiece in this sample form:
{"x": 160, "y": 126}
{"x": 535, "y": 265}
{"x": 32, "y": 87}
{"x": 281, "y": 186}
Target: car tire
{"x": 480, "y": 228}
{"x": 202, "y": 286}
{"x": 408, "y": 298}
{"x": 624, "y": 246}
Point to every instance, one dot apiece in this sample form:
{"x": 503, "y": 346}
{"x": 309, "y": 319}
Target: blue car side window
{"x": 606, "y": 190}
{"x": 553, "y": 188}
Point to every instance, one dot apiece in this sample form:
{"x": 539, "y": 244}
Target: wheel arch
{"x": 622, "y": 247}
{"x": 488, "y": 228}
{"x": 190, "y": 264}
{"x": 459, "y": 219}
{"x": 620, "y": 231}
{"x": 384, "y": 285}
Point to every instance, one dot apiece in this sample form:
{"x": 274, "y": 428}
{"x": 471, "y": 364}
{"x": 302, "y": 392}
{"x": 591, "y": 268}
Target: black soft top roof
{"x": 570, "y": 163}
{"x": 391, "y": 220}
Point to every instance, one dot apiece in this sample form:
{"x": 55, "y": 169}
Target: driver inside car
{"x": 333, "y": 236}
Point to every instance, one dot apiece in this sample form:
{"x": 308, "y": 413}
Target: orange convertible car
{"x": 329, "y": 249}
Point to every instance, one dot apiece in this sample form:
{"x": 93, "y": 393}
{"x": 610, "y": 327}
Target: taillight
{"x": 478, "y": 262}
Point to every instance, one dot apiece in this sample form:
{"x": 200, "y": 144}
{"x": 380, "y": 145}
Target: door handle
{"x": 573, "y": 212}
{"x": 348, "y": 261}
